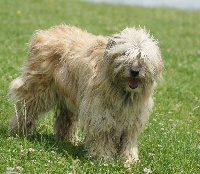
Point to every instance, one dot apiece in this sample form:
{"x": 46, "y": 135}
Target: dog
{"x": 105, "y": 84}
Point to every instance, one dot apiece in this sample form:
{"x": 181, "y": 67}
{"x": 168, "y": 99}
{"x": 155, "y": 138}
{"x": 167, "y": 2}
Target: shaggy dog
{"x": 105, "y": 83}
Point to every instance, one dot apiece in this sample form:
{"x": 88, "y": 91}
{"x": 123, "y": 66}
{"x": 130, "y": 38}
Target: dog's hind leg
{"x": 30, "y": 103}
{"x": 65, "y": 127}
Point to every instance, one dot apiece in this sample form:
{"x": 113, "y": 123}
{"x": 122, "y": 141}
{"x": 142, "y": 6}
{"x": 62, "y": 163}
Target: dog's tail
{"x": 16, "y": 87}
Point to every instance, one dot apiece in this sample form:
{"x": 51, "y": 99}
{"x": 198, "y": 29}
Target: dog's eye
{"x": 128, "y": 52}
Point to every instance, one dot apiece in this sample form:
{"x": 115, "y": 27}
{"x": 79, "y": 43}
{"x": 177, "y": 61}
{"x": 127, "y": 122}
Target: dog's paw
{"x": 130, "y": 161}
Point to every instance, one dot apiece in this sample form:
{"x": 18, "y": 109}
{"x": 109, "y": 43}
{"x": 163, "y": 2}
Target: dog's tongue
{"x": 133, "y": 83}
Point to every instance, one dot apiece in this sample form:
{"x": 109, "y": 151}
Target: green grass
{"x": 170, "y": 144}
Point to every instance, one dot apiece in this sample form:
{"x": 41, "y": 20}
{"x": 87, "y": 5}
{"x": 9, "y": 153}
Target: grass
{"x": 170, "y": 144}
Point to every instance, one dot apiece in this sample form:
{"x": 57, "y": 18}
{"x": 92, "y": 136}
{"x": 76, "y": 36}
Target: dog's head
{"x": 133, "y": 59}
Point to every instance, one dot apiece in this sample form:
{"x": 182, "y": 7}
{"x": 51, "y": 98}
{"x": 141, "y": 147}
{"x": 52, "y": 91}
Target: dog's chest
{"x": 126, "y": 117}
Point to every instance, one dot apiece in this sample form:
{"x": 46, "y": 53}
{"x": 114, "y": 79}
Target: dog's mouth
{"x": 133, "y": 82}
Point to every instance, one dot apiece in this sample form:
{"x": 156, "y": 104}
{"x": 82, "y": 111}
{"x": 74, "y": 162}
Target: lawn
{"x": 170, "y": 143}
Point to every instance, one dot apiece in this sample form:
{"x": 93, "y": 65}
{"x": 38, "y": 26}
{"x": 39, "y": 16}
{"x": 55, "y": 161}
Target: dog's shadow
{"x": 46, "y": 142}
{"x": 66, "y": 149}
{"x": 49, "y": 143}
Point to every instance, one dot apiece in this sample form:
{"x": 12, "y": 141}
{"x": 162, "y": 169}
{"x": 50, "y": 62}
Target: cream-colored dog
{"x": 105, "y": 83}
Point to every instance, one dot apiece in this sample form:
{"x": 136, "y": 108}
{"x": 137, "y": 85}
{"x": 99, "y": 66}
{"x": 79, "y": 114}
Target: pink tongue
{"x": 133, "y": 83}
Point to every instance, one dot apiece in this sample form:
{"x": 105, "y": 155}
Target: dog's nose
{"x": 134, "y": 72}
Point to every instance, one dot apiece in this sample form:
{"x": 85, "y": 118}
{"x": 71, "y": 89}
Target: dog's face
{"x": 133, "y": 59}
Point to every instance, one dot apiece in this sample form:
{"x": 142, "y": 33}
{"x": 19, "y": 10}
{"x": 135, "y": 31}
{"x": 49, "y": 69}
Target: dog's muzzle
{"x": 133, "y": 80}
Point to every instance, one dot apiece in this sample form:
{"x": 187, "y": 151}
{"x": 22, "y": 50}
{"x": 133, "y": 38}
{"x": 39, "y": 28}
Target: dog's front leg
{"x": 99, "y": 126}
{"x": 101, "y": 145}
{"x": 128, "y": 150}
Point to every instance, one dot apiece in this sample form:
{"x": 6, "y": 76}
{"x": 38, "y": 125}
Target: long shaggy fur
{"x": 103, "y": 83}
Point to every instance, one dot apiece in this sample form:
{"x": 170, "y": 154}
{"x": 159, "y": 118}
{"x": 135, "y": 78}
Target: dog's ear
{"x": 111, "y": 43}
